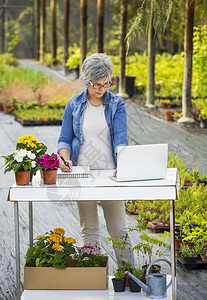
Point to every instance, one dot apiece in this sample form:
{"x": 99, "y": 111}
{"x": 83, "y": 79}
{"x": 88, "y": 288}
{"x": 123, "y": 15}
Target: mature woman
{"x": 94, "y": 125}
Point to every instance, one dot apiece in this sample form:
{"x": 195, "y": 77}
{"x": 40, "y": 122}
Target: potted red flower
{"x": 49, "y": 165}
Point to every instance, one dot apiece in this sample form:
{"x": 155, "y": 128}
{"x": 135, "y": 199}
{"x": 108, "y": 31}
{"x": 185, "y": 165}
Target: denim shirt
{"x": 71, "y": 135}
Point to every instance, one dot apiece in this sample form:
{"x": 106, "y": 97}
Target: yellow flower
{"x": 40, "y": 236}
{"x": 59, "y": 230}
{"x": 57, "y": 247}
{"x": 69, "y": 240}
{"x": 56, "y": 238}
{"x": 27, "y": 138}
{"x": 49, "y": 240}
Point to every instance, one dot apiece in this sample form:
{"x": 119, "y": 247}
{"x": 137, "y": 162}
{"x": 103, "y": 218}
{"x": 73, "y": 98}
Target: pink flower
{"x": 39, "y": 161}
{"x": 49, "y": 162}
{"x": 85, "y": 258}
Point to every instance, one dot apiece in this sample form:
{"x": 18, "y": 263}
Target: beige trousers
{"x": 114, "y": 213}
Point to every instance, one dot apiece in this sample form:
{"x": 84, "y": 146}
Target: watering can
{"x": 155, "y": 286}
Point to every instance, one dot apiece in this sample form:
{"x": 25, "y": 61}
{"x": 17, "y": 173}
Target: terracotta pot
{"x": 8, "y": 109}
{"x": 177, "y": 253}
{"x": 187, "y": 244}
{"x": 22, "y": 178}
{"x": 177, "y": 243}
{"x": 49, "y": 176}
{"x": 168, "y": 115}
{"x": 126, "y": 276}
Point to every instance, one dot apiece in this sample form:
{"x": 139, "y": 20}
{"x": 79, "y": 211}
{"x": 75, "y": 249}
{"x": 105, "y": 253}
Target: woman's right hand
{"x": 64, "y": 168}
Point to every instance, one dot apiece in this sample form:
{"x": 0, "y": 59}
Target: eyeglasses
{"x": 99, "y": 86}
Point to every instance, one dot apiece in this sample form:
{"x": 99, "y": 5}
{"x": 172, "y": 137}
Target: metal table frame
{"x": 144, "y": 185}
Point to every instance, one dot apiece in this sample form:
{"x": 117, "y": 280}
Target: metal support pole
{"x": 30, "y": 224}
{"x": 172, "y": 242}
{"x": 17, "y": 245}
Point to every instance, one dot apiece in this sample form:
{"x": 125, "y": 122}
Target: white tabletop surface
{"x": 88, "y": 294}
{"x": 98, "y": 186}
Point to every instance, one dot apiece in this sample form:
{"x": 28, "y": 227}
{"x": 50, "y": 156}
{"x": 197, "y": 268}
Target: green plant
{"x": 203, "y": 177}
{"x": 74, "y": 58}
{"x": 121, "y": 243}
{"x": 13, "y": 40}
{"x": 20, "y": 160}
{"x": 148, "y": 243}
{"x": 186, "y": 251}
{"x": 127, "y": 266}
{"x": 8, "y": 59}
{"x": 18, "y": 75}
{"x": 34, "y": 113}
{"x": 198, "y": 248}
{"x": 199, "y": 78}
{"x": 51, "y": 250}
{"x": 138, "y": 273}
{"x": 118, "y": 273}
{"x": 203, "y": 113}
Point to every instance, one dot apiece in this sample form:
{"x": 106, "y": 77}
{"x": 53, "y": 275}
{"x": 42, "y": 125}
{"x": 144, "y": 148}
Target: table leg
{"x": 172, "y": 242}
{"x": 16, "y": 222}
{"x": 30, "y": 224}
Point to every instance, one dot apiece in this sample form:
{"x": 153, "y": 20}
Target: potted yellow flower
{"x": 31, "y": 143}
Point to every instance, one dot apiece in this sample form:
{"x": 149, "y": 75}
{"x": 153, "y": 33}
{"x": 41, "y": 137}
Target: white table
{"x": 97, "y": 187}
{"x": 89, "y": 294}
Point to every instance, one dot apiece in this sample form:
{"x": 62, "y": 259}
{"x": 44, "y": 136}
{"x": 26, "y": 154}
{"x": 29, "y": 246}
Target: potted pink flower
{"x": 49, "y": 165}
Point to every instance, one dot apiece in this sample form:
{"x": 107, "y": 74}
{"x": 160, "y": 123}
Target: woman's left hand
{"x": 115, "y": 171}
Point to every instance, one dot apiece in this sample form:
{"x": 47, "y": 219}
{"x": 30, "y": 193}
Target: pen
{"x": 65, "y": 163}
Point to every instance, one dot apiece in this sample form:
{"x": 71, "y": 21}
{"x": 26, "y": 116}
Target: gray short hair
{"x": 95, "y": 67}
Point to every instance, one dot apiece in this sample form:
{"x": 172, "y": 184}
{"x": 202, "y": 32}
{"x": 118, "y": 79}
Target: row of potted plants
{"x": 34, "y": 113}
{"x": 147, "y": 246}
{"x": 29, "y": 157}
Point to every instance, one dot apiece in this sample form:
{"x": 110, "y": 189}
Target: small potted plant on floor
{"x": 122, "y": 244}
{"x": 188, "y": 255}
{"x": 133, "y": 286}
{"x": 119, "y": 280}
{"x": 147, "y": 245}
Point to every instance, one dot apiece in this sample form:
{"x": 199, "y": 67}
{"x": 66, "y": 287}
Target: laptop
{"x": 141, "y": 162}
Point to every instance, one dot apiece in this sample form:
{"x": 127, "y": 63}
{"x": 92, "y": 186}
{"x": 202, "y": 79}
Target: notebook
{"x": 141, "y": 162}
{"x": 77, "y": 172}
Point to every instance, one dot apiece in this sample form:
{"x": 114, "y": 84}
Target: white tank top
{"x": 96, "y": 150}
